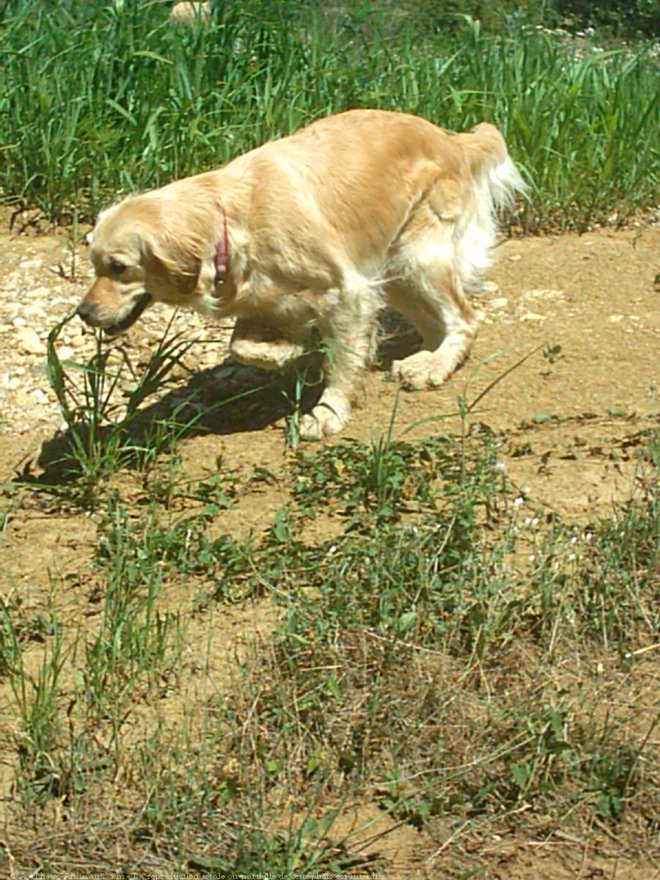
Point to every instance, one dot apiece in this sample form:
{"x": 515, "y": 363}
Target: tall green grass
{"x": 105, "y": 97}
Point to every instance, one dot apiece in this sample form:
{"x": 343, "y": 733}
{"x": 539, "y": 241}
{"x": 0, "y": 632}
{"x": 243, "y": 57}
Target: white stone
{"x": 35, "y": 311}
{"x": 65, "y": 352}
{"x": 544, "y": 293}
{"x": 28, "y": 341}
{"x": 40, "y": 396}
{"x": 499, "y": 302}
{"x": 80, "y": 341}
{"x": 40, "y": 293}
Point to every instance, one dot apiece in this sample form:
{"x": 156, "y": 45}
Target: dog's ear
{"x": 172, "y": 263}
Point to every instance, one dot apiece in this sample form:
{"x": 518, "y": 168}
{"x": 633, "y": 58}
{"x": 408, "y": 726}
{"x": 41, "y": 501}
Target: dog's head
{"x": 137, "y": 260}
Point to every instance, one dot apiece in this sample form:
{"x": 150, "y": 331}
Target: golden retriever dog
{"x": 315, "y": 233}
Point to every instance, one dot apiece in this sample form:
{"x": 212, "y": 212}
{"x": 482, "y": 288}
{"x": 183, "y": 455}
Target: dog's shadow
{"x": 222, "y": 400}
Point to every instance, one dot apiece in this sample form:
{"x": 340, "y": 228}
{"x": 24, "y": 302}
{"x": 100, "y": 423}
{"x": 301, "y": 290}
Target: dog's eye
{"x": 116, "y": 267}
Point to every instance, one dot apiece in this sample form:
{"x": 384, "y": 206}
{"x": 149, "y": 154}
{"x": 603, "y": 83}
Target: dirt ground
{"x": 580, "y": 313}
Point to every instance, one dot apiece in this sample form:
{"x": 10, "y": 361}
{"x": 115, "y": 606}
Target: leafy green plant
{"x": 100, "y": 422}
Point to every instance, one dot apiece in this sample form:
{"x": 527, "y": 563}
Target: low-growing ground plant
{"x": 418, "y": 661}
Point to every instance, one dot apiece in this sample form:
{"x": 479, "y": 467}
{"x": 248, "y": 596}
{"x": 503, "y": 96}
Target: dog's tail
{"x": 490, "y": 164}
{"x": 497, "y": 181}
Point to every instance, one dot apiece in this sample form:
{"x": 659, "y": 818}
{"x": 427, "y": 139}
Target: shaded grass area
{"x": 465, "y": 668}
{"x": 143, "y": 102}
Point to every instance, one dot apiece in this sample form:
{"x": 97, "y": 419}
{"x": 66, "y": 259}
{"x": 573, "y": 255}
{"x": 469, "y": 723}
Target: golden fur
{"x": 360, "y": 210}
{"x": 184, "y": 12}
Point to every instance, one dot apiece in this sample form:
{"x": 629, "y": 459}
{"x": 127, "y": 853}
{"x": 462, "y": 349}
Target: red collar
{"x": 221, "y": 256}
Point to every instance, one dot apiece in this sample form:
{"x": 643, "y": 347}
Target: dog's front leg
{"x": 264, "y": 347}
{"x": 348, "y": 332}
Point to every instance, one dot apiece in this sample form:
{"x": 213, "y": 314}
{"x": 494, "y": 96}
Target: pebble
{"x": 81, "y": 341}
{"x": 10, "y": 383}
{"x": 499, "y": 302}
{"x": 544, "y": 293}
{"x": 40, "y": 396}
{"x": 22, "y": 399}
{"x": 35, "y": 311}
{"x": 39, "y": 293}
{"x": 28, "y": 341}
{"x": 222, "y": 373}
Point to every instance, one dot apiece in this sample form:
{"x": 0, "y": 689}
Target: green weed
{"x": 137, "y": 647}
{"x": 101, "y": 436}
{"x": 47, "y": 767}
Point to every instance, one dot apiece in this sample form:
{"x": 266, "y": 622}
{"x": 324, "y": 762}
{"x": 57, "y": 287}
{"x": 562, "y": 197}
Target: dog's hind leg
{"x": 431, "y": 296}
{"x": 348, "y": 331}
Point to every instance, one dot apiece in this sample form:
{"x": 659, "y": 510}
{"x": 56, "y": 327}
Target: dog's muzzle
{"x": 88, "y": 312}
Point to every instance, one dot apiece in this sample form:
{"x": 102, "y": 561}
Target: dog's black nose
{"x": 86, "y": 312}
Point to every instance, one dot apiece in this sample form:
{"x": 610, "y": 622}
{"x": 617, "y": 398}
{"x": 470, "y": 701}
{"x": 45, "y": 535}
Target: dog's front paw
{"x": 327, "y": 417}
{"x": 415, "y": 372}
{"x": 319, "y": 423}
{"x": 425, "y": 369}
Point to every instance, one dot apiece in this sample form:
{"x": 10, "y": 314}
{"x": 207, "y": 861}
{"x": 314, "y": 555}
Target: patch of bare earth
{"x": 570, "y": 343}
